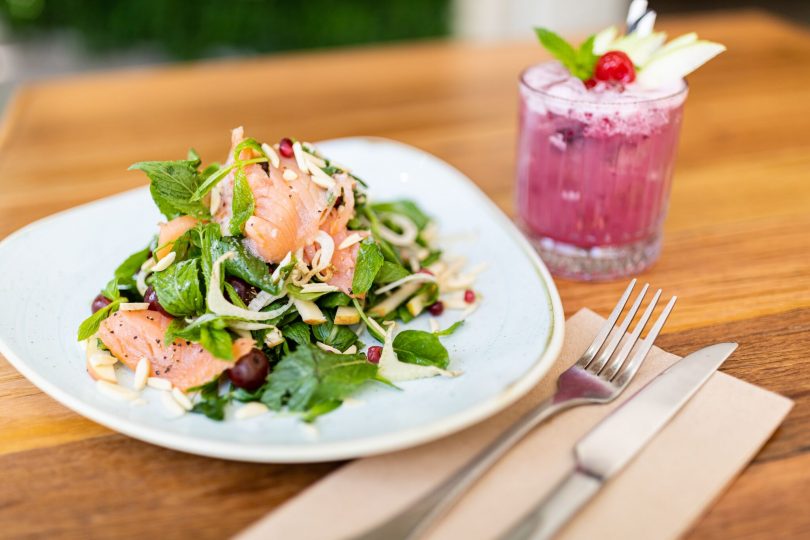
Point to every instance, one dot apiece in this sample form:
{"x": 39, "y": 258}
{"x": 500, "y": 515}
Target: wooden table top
{"x": 736, "y": 251}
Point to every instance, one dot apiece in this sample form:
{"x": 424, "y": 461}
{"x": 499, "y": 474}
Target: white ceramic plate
{"x": 52, "y": 269}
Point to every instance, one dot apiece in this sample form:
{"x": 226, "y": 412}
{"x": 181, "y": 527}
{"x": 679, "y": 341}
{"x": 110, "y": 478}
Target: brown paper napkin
{"x": 658, "y": 495}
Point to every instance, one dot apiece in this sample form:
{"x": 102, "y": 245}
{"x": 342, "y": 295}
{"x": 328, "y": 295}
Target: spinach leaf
{"x": 243, "y": 203}
{"x": 244, "y": 265}
{"x": 334, "y": 299}
{"x": 423, "y": 348}
{"x": 178, "y": 288}
{"x": 298, "y": 332}
{"x": 173, "y": 184}
{"x": 409, "y": 209}
{"x": 91, "y": 324}
{"x": 337, "y": 336}
{"x": 125, "y": 273}
{"x": 209, "y": 331}
{"x": 449, "y": 330}
{"x": 390, "y": 272}
{"x": 369, "y": 262}
{"x": 314, "y": 382}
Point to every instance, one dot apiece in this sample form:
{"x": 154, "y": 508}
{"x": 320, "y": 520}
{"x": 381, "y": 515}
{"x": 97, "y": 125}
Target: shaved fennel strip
{"x": 413, "y": 277}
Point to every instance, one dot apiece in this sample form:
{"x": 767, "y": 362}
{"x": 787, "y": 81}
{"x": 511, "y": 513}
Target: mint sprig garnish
{"x": 579, "y": 61}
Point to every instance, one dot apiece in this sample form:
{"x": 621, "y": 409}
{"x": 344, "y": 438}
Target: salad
{"x": 258, "y": 287}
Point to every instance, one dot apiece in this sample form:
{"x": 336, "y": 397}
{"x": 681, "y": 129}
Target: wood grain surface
{"x": 736, "y": 251}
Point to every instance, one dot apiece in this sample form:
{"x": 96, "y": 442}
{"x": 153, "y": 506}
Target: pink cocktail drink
{"x": 594, "y": 171}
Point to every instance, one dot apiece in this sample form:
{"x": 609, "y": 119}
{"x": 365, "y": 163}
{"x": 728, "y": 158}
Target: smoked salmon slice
{"x": 171, "y": 231}
{"x": 289, "y": 211}
{"x": 131, "y": 335}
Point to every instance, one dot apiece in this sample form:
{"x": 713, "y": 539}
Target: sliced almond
{"x": 141, "y": 373}
{"x": 115, "y": 391}
{"x": 322, "y": 179}
{"x": 170, "y": 405}
{"x": 271, "y": 155}
{"x": 133, "y": 306}
{"x": 251, "y": 410}
{"x": 350, "y": 240}
{"x": 105, "y": 372}
{"x": 327, "y": 348}
{"x": 165, "y": 262}
{"x": 101, "y": 358}
{"x": 182, "y": 399}
{"x": 289, "y": 175}
{"x": 273, "y": 338}
{"x": 300, "y": 158}
{"x": 159, "y": 383}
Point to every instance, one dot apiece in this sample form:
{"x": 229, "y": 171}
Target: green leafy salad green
{"x": 264, "y": 278}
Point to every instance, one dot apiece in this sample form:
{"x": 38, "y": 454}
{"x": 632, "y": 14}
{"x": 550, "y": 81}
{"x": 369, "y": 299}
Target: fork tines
{"x": 601, "y": 358}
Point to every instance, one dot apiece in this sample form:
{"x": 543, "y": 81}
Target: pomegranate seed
{"x": 374, "y": 353}
{"x": 285, "y": 147}
{"x": 590, "y": 83}
{"x": 615, "y": 66}
{"x": 425, "y": 271}
{"x": 436, "y": 309}
{"x": 469, "y": 296}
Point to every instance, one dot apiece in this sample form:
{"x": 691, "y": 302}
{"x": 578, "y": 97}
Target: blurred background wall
{"x": 46, "y": 38}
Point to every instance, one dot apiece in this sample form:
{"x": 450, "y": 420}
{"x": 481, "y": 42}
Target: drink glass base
{"x": 602, "y": 263}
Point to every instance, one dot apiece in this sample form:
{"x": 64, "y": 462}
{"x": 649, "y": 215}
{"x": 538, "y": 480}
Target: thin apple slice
{"x": 675, "y": 64}
{"x": 640, "y": 48}
{"x": 680, "y": 41}
{"x": 604, "y": 39}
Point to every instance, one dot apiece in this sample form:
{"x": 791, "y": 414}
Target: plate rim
{"x": 342, "y": 450}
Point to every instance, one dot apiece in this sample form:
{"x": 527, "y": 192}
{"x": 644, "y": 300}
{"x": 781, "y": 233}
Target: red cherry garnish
{"x": 615, "y": 66}
{"x": 590, "y": 83}
{"x": 374, "y": 353}
{"x": 436, "y": 309}
{"x": 469, "y": 296}
{"x": 285, "y": 147}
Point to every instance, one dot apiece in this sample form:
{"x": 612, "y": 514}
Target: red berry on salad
{"x": 285, "y": 147}
{"x": 99, "y": 302}
{"x": 250, "y": 371}
{"x": 614, "y": 66}
{"x": 590, "y": 83}
{"x": 436, "y": 308}
{"x": 151, "y": 298}
{"x": 469, "y": 296}
{"x": 374, "y": 353}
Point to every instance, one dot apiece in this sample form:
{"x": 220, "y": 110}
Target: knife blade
{"x": 617, "y": 439}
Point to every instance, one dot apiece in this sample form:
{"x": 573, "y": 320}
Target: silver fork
{"x": 597, "y": 377}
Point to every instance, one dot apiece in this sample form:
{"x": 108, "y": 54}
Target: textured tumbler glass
{"x": 593, "y": 176}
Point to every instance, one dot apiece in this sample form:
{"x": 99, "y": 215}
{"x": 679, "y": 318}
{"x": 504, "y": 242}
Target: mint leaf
{"x": 314, "y": 382}
{"x": 125, "y": 273}
{"x": 91, "y": 324}
{"x": 423, "y": 348}
{"x": 580, "y": 62}
{"x": 110, "y": 290}
{"x": 337, "y": 336}
{"x": 390, "y": 272}
{"x": 173, "y": 184}
{"x": 558, "y": 47}
{"x": 178, "y": 288}
{"x": 369, "y": 261}
{"x": 407, "y": 208}
{"x": 298, "y": 332}
{"x": 209, "y": 331}
{"x": 209, "y": 179}
{"x": 243, "y": 203}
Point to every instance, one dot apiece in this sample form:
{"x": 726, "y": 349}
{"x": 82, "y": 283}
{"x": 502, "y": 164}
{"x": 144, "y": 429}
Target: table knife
{"x": 615, "y": 441}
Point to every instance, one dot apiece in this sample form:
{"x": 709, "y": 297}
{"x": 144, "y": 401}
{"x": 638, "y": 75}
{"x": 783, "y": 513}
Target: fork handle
{"x": 415, "y": 521}
{"x": 549, "y": 515}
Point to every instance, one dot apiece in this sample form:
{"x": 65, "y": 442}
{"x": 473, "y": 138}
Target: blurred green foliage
{"x": 196, "y": 28}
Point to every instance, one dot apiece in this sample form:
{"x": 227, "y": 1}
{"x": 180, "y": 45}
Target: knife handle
{"x": 550, "y": 514}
